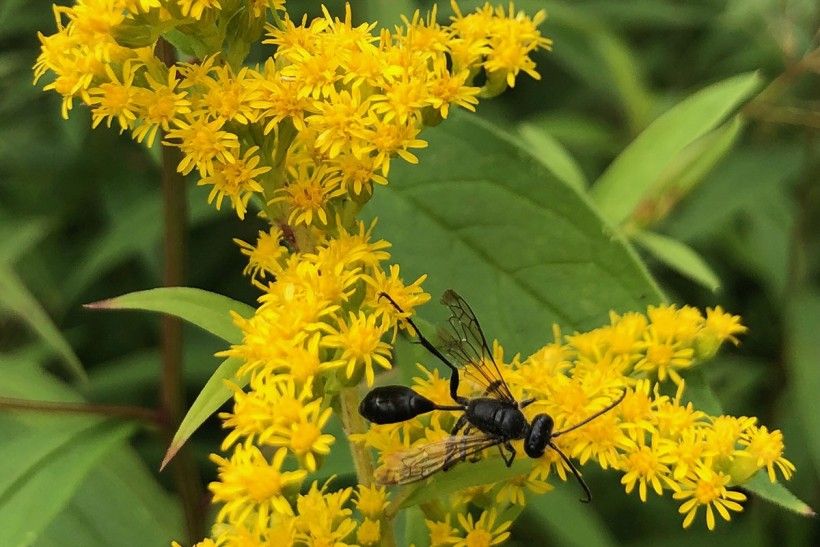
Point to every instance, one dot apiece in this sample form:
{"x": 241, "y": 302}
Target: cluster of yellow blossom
{"x": 303, "y": 345}
{"x": 309, "y": 130}
{"x": 655, "y": 439}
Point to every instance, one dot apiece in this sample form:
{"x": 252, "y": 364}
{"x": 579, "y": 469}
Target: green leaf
{"x": 116, "y": 503}
{"x": 568, "y": 522}
{"x": 803, "y": 347}
{"x": 16, "y": 239}
{"x": 554, "y": 156}
{"x": 212, "y": 396}
{"x": 692, "y": 165}
{"x": 777, "y": 494}
{"x": 679, "y": 256}
{"x": 207, "y": 310}
{"x": 39, "y": 496}
{"x": 16, "y": 297}
{"x": 634, "y": 172}
{"x": 525, "y": 249}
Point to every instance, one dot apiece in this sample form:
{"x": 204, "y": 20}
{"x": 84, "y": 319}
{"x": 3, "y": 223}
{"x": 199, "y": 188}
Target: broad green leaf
{"x": 632, "y": 175}
{"x": 803, "y": 349}
{"x": 777, "y": 494}
{"x": 16, "y": 297}
{"x": 678, "y": 256}
{"x": 207, "y": 310}
{"x": 38, "y": 497}
{"x": 24, "y": 451}
{"x": 567, "y": 521}
{"x": 116, "y": 503}
{"x": 212, "y": 396}
{"x": 524, "y": 248}
{"x": 552, "y": 154}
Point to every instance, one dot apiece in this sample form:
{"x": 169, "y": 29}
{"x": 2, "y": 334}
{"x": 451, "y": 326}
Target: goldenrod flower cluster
{"x": 656, "y": 440}
{"x": 320, "y": 327}
{"x": 310, "y": 130}
{"x": 307, "y": 133}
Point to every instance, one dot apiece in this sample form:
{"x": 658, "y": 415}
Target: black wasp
{"x": 495, "y": 419}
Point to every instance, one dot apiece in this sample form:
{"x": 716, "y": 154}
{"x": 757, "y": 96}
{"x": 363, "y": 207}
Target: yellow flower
{"x": 231, "y": 97}
{"x": 484, "y": 532}
{"x": 236, "y": 179}
{"x": 304, "y": 437}
{"x": 116, "y": 98}
{"x": 708, "y": 488}
{"x": 369, "y": 532}
{"x": 159, "y": 106}
{"x": 322, "y": 518}
{"x": 766, "y": 448}
{"x": 371, "y": 501}
{"x": 202, "y": 142}
{"x": 360, "y": 340}
{"x": 249, "y": 483}
{"x": 307, "y": 194}
{"x": 408, "y": 297}
{"x": 265, "y": 258}
{"x": 442, "y": 532}
{"x": 718, "y": 327}
{"x": 647, "y": 465}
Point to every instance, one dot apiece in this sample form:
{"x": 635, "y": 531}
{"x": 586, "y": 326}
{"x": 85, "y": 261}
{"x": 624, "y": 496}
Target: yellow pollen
{"x": 303, "y": 437}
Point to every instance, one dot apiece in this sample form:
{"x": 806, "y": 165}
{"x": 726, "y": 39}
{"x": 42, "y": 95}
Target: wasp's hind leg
{"x": 508, "y": 459}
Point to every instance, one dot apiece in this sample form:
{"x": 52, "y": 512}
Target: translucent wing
{"x": 421, "y": 462}
{"x": 467, "y": 346}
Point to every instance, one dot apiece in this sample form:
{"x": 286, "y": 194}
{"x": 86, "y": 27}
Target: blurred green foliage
{"x": 731, "y": 203}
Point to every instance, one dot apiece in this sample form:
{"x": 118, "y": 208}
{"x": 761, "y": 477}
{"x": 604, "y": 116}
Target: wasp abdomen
{"x": 394, "y": 404}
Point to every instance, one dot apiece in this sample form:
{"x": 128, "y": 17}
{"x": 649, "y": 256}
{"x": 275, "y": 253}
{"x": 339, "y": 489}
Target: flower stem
{"x": 184, "y": 470}
{"x": 146, "y": 415}
{"x": 354, "y": 423}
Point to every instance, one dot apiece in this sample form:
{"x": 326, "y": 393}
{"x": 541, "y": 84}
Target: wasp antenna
{"x": 575, "y": 472}
{"x": 597, "y": 414}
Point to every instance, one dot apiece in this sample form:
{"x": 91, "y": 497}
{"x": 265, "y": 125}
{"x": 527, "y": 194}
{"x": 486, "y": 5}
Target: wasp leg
{"x": 460, "y": 423}
{"x": 508, "y": 461}
{"x": 454, "y": 378}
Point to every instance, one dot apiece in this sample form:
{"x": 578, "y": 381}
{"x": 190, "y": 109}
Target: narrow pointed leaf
{"x": 777, "y": 494}
{"x": 207, "y": 310}
{"x": 15, "y": 296}
{"x": 212, "y": 396}
{"x": 678, "y": 256}
{"x": 630, "y": 178}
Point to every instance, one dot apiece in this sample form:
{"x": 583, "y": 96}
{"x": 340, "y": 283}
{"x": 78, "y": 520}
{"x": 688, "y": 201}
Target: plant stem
{"x": 137, "y": 413}
{"x": 354, "y": 423}
{"x": 185, "y": 473}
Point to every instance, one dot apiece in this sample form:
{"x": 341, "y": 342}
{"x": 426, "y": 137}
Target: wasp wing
{"x": 466, "y": 345}
{"x": 422, "y": 461}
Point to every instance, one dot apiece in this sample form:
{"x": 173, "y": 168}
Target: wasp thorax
{"x": 539, "y": 436}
